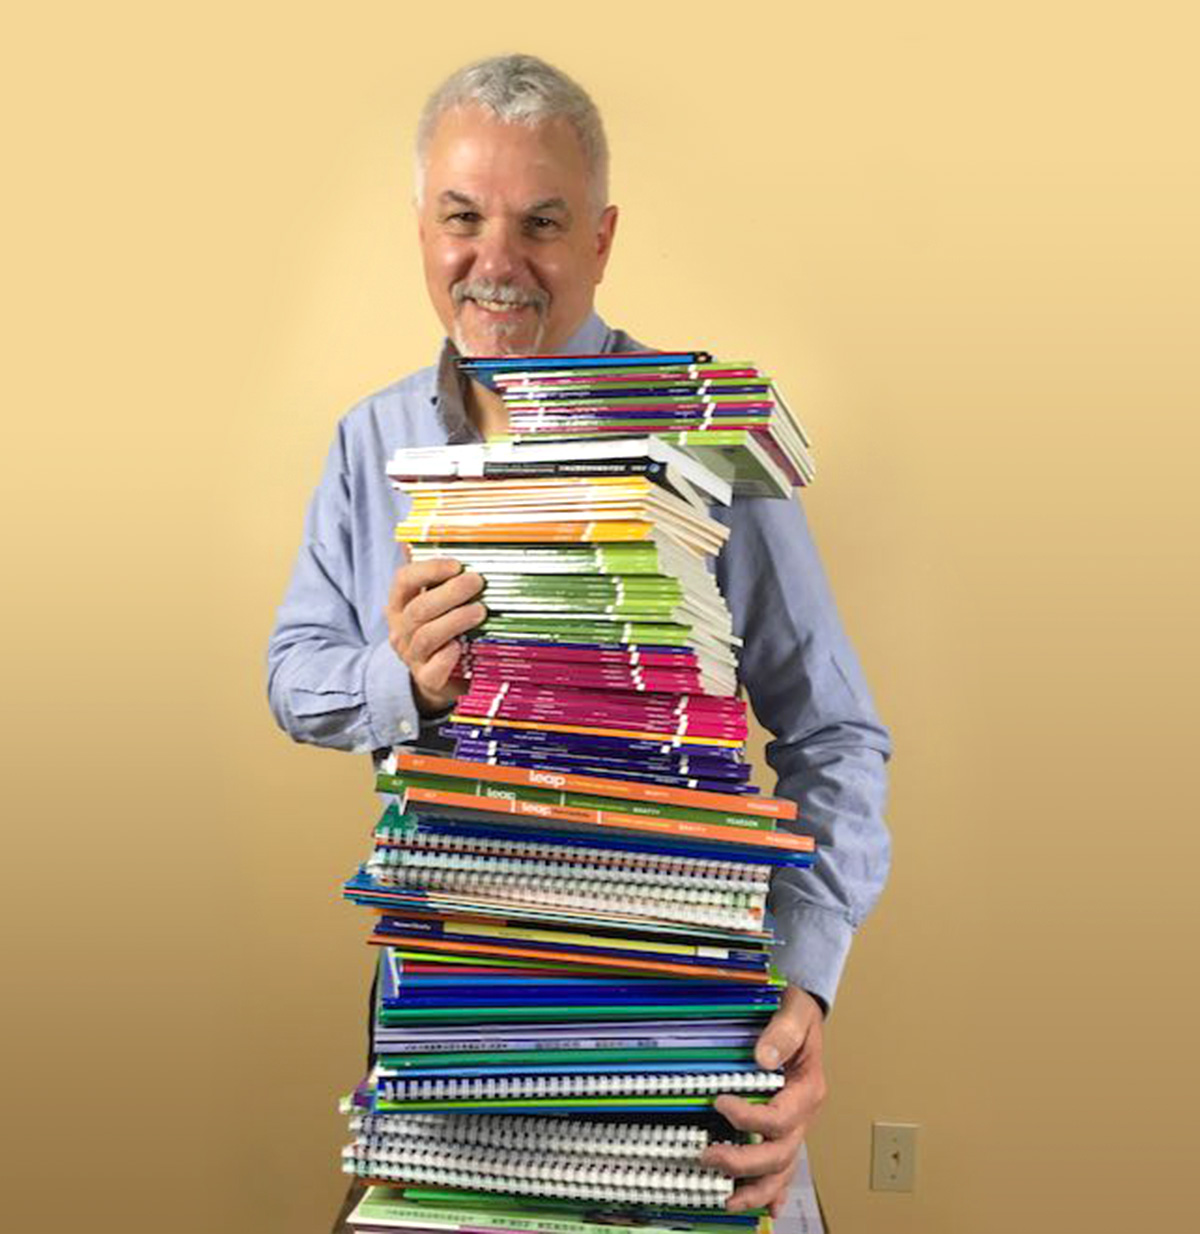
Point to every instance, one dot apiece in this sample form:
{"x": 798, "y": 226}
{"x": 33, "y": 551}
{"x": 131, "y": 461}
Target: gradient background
{"x": 963, "y": 237}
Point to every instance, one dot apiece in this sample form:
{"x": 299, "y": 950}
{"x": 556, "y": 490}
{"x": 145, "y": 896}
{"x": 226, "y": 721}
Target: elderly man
{"x": 516, "y": 230}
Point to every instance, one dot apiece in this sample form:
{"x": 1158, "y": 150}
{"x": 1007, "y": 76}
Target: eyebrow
{"x": 452, "y": 197}
{"x": 548, "y": 203}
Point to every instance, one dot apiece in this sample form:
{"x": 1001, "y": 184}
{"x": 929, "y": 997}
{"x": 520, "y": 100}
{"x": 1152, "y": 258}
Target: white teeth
{"x": 495, "y": 306}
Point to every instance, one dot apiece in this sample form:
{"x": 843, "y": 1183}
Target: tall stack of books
{"x": 571, "y": 903}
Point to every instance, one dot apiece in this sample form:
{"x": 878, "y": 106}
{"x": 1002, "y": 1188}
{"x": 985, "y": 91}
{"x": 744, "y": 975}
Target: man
{"x": 516, "y": 230}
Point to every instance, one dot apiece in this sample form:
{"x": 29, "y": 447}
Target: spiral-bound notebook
{"x": 647, "y": 1162}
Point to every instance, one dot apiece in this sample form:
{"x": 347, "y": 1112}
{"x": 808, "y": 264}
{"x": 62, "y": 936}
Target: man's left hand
{"x": 794, "y": 1040}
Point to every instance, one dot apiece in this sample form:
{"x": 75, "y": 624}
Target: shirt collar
{"x": 592, "y": 338}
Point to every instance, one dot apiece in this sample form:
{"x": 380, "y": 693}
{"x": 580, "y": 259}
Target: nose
{"x": 498, "y": 252}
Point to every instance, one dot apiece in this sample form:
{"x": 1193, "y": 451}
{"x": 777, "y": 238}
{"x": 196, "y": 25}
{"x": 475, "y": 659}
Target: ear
{"x": 605, "y": 230}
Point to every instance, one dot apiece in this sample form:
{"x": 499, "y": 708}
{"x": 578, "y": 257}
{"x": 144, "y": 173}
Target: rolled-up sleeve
{"x": 829, "y": 747}
{"x": 328, "y": 682}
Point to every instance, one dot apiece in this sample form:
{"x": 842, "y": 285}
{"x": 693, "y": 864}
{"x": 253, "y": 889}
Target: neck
{"x": 487, "y": 410}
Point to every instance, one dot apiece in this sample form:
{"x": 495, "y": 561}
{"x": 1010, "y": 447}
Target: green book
{"x": 611, "y": 585}
{"x": 399, "y": 784}
{"x": 437, "y": 1209}
{"x": 593, "y": 559}
{"x": 738, "y": 456}
{"x": 516, "y": 606}
{"x": 613, "y": 630}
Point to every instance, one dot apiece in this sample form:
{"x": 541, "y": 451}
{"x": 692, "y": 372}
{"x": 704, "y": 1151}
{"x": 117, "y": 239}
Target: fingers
{"x": 410, "y": 580}
{"x": 428, "y": 610}
{"x": 776, "y": 1205}
{"x": 422, "y": 593}
{"x": 753, "y": 1160}
{"x": 792, "y": 1107}
{"x": 429, "y": 588}
{"x": 791, "y": 1028}
{"x": 783, "y": 1123}
{"x": 433, "y": 677}
{"x": 443, "y": 597}
{"x": 769, "y": 1192}
{"x": 427, "y": 639}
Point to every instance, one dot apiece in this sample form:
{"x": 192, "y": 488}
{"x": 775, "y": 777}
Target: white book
{"x": 469, "y": 460}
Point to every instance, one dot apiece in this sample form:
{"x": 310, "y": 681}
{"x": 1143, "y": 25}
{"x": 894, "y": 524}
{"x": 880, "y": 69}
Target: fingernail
{"x": 770, "y": 1057}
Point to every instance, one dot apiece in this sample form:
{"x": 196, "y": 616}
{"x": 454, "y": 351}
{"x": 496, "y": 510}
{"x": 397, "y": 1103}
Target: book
{"x": 506, "y": 459}
{"x": 602, "y": 818}
{"x": 389, "y": 1208}
{"x": 626, "y": 790}
{"x": 667, "y": 399}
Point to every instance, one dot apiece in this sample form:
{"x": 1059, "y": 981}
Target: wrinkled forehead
{"x": 498, "y": 163}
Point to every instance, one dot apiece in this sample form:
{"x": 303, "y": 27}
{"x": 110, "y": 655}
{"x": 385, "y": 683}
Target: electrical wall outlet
{"x": 893, "y": 1156}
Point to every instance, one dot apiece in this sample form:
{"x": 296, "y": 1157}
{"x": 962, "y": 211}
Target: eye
{"x": 541, "y": 224}
{"x": 463, "y": 220}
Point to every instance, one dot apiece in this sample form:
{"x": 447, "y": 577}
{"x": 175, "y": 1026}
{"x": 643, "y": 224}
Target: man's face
{"x": 512, "y": 247}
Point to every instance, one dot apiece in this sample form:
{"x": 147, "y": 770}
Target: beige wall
{"x": 963, "y": 236}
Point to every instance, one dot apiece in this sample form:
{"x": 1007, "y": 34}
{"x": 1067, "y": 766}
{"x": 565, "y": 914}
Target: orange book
{"x": 718, "y": 832}
{"x": 424, "y": 942}
{"x": 522, "y": 533}
{"x": 733, "y": 803}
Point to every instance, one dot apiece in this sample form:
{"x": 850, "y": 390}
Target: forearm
{"x": 838, "y": 778}
{"x": 333, "y": 679}
{"x": 347, "y": 697}
{"x": 829, "y": 747}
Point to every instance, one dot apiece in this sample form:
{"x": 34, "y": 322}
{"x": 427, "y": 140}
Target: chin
{"x": 499, "y": 341}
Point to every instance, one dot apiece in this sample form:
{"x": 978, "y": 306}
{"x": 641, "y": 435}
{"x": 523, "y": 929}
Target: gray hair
{"x": 520, "y": 90}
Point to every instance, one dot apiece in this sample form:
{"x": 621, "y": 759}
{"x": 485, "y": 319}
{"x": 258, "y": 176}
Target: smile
{"x": 498, "y": 306}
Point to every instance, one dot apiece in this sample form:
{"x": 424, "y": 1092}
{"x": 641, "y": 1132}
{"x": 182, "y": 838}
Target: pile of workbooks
{"x": 726, "y": 413}
{"x": 570, "y": 903}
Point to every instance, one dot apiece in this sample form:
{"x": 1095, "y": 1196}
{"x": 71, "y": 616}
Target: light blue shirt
{"x": 335, "y": 680}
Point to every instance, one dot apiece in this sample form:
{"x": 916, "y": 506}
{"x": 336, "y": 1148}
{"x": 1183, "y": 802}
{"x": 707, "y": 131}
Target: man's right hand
{"x": 428, "y": 609}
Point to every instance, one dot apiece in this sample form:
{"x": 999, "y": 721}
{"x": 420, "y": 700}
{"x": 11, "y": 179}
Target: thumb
{"x": 787, "y": 1030}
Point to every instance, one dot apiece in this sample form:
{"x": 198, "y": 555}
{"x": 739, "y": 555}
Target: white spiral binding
{"x": 688, "y": 882}
{"x": 527, "y": 1133}
{"x": 624, "y": 861}
{"x": 639, "y": 1084}
{"x": 619, "y": 1181}
{"x": 659, "y": 903}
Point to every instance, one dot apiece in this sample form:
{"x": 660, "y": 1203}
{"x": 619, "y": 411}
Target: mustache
{"x": 502, "y": 293}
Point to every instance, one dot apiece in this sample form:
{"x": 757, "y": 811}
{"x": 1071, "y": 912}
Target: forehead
{"x": 474, "y": 153}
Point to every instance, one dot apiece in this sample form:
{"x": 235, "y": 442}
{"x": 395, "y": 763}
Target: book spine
{"x": 653, "y": 1141}
{"x": 420, "y": 943}
{"x": 630, "y": 734}
{"x": 532, "y": 469}
{"x": 613, "y": 818}
{"x": 428, "y": 1161}
{"x": 512, "y": 790}
{"x": 767, "y": 807}
{"x": 374, "y": 1213}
